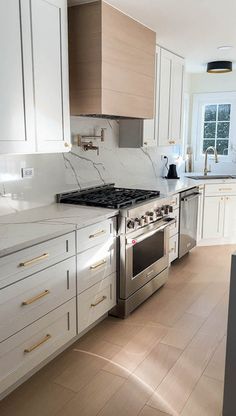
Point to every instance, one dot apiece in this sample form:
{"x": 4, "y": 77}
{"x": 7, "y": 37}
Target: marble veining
{"x": 78, "y": 169}
{"x": 28, "y": 227}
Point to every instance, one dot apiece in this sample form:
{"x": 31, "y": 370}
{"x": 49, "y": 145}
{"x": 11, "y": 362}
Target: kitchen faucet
{"x": 206, "y": 170}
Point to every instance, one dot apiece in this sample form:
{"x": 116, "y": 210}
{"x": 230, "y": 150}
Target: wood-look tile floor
{"x": 167, "y": 358}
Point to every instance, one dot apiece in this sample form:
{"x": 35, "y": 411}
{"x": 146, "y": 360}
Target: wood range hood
{"x": 112, "y": 63}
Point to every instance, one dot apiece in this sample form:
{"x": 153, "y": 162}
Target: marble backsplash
{"x": 55, "y": 173}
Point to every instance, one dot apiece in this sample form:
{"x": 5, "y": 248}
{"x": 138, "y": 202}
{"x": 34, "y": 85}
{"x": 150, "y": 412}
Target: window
{"x": 214, "y": 124}
{"x": 216, "y": 127}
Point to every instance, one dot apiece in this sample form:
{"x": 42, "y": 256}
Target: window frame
{"x": 199, "y": 102}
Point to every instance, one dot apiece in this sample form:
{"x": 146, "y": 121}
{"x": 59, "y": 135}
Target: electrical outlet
{"x": 27, "y": 173}
{"x": 163, "y": 158}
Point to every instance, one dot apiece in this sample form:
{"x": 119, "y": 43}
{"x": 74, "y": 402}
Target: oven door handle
{"x": 135, "y": 240}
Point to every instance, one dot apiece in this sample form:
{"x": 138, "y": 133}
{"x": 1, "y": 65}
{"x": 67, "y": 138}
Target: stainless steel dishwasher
{"x": 188, "y": 220}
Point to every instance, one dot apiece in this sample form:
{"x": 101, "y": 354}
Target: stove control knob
{"x": 171, "y": 209}
{"x": 142, "y": 220}
{"x": 150, "y": 214}
{"x": 166, "y": 209}
{"x": 137, "y": 221}
{"x": 130, "y": 224}
{"x": 158, "y": 212}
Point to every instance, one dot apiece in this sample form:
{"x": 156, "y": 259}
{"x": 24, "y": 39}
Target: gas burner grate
{"x": 108, "y": 197}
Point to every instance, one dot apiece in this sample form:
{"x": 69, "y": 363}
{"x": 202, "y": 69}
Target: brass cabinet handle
{"x": 67, "y": 144}
{"x": 225, "y": 189}
{"x": 171, "y": 141}
{"x": 97, "y": 234}
{"x": 32, "y": 261}
{"x": 99, "y": 264}
{"x": 99, "y": 301}
{"x": 38, "y": 344}
{"x": 37, "y": 297}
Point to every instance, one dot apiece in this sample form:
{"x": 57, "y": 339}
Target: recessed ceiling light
{"x": 224, "y": 48}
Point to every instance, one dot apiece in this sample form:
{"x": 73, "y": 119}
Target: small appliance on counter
{"x": 172, "y": 172}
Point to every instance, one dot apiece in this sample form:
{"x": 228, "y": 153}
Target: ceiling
{"x": 191, "y": 28}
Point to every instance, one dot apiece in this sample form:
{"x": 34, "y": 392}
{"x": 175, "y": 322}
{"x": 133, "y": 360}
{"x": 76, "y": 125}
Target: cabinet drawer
{"x": 33, "y": 259}
{"x": 220, "y": 189}
{"x": 174, "y": 228}
{"x": 100, "y": 233}
{"x": 31, "y": 298}
{"x": 96, "y": 301}
{"x": 25, "y": 350}
{"x": 174, "y": 202}
{"x": 173, "y": 248}
{"x": 95, "y": 264}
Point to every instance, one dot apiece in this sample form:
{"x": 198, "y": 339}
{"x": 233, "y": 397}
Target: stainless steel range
{"x": 143, "y": 227}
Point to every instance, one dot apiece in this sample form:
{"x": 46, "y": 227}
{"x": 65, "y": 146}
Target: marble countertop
{"x": 26, "y": 228}
{"x": 168, "y": 187}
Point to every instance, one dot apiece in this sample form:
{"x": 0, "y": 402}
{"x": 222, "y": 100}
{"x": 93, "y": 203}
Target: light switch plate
{"x": 27, "y": 173}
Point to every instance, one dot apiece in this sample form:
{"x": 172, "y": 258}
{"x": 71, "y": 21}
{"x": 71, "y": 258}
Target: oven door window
{"x": 148, "y": 252}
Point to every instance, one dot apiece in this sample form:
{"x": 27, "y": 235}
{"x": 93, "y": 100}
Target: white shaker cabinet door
{"x": 213, "y": 220}
{"x": 16, "y": 93}
{"x": 49, "y": 37}
{"x": 164, "y": 97}
{"x": 230, "y": 217}
{"x": 177, "y": 72}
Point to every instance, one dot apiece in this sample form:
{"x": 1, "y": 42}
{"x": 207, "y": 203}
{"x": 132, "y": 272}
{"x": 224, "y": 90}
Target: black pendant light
{"x": 219, "y": 67}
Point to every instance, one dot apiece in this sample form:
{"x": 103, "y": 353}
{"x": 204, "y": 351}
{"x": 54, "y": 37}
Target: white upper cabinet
{"x": 34, "y": 98}
{"x": 170, "y": 99}
{"x": 165, "y": 128}
{"x": 16, "y": 92}
{"x": 49, "y": 36}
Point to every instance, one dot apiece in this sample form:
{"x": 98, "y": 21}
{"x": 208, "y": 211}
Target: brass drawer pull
{"x": 37, "y": 297}
{"x": 99, "y": 301}
{"x": 225, "y": 189}
{"x": 97, "y": 234}
{"x": 32, "y": 261}
{"x": 95, "y": 266}
{"x": 38, "y": 344}
{"x": 171, "y": 141}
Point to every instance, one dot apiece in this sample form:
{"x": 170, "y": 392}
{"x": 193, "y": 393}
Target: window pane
{"x": 207, "y": 143}
{"x": 224, "y": 112}
{"x": 210, "y": 112}
{"x": 223, "y": 130}
{"x": 209, "y": 130}
{"x": 222, "y": 147}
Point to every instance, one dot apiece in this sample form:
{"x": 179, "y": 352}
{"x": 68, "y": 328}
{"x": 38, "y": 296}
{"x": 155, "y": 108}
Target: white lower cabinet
{"x": 219, "y": 220}
{"x": 173, "y": 248}
{"x": 213, "y": 219}
{"x": 230, "y": 217}
{"x": 49, "y": 293}
{"x": 95, "y": 264}
{"x": 28, "y": 348}
{"x": 31, "y": 298}
{"x": 174, "y": 230}
{"x": 96, "y": 301}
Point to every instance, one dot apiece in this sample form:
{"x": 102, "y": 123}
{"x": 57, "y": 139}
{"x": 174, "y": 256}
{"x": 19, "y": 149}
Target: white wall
{"x": 209, "y": 83}
{"x": 59, "y": 172}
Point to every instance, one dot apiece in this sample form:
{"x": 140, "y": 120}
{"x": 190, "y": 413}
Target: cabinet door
{"x": 150, "y": 127}
{"x": 49, "y": 36}
{"x": 213, "y": 220}
{"x": 230, "y": 217}
{"x": 177, "y": 71}
{"x": 200, "y": 213}
{"x": 16, "y": 101}
{"x": 164, "y": 97}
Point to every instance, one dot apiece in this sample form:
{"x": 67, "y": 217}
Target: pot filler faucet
{"x": 206, "y": 170}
